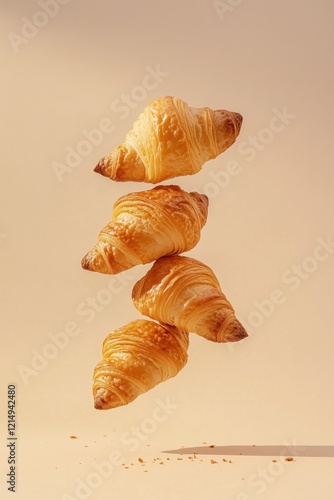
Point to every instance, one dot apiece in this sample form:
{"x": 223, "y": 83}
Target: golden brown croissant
{"x": 136, "y": 358}
{"x": 183, "y": 292}
{"x": 147, "y": 225}
{"x": 170, "y": 139}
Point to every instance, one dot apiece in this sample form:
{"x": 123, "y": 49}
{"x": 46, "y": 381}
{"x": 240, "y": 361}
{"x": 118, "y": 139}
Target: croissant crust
{"x": 184, "y": 292}
{"x": 147, "y": 225}
{"x": 137, "y": 357}
{"x": 170, "y": 139}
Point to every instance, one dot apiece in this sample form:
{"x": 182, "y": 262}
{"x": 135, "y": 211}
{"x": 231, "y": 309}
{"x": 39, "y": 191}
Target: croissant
{"x": 170, "y": 139}
{"x": 183, "y": 292}
{"x": 147, "y": 225}
{"x": 136, "y": 358}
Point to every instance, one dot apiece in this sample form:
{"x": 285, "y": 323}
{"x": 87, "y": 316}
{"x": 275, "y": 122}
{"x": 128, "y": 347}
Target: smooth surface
{"x": 93, "y": 66}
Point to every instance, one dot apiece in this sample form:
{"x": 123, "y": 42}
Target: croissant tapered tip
{"x": 238, "y": 118}
{"x": 97, "y": 404}
{"x": 101, "y": 167}
{"x": 242, "y": 334}
{"x": 234, "y": 332}
{"x": 85, "y": 262}
{"x": 100, "y": 402}
{"x": 105, "y": 399}
{"x": 97, "y": 168}
{"x": 93, "y": 261}
{"x": 237, "y": 332}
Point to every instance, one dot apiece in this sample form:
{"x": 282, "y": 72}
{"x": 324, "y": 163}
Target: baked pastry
{"x": 170, "y": 139}
{"x": 147, "y": 225}
{"x": 184, "y": 292}
{"x": 136, "y": 358}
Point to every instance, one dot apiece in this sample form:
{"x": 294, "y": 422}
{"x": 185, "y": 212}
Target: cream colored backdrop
{"x": 75, "y": 75}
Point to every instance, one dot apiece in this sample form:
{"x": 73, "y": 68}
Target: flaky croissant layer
{"x": 170, "y": 139}
{"x": 137, "y": 357}
{"x": 184, "y": 292}
{"x": 147, "y": 225}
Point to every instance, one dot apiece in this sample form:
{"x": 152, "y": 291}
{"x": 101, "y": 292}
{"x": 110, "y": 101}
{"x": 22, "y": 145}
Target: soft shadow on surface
{"x": 267, "y": 450}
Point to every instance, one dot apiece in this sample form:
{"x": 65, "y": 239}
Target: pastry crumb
{"x": 289, "y": 459}
{"x": 74, "y": 437}
{"x": 140, "y": 460}
{"x": 213, "y": 461}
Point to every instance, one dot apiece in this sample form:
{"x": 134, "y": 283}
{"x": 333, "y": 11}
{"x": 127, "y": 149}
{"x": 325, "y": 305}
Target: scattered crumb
{"x": 86, "y": 446}
{"x": 289, "y": 459}
{"x": 190, "y": 457}
{"x": 211, "y": 446}
{"x": 274, "y": 460}
{"x": 74, "y": 437}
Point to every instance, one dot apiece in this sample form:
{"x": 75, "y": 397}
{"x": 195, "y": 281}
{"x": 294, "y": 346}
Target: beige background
{"x": 98, "y": 64}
